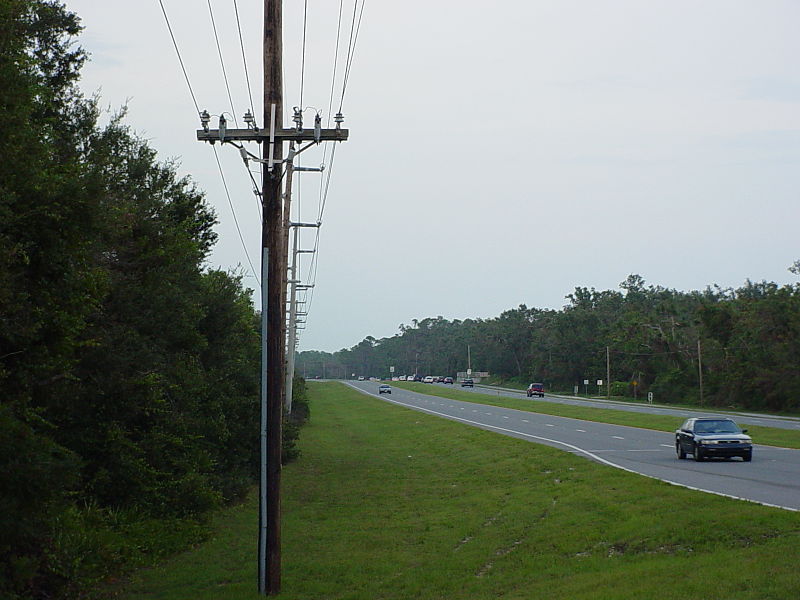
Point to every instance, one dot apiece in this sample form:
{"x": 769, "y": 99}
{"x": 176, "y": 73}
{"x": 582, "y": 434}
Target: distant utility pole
{"x": 608, "y": 373}
{"x": 700, "y": 369}
{"x": 273, "y": 276}
{"x": 294, "y": 285}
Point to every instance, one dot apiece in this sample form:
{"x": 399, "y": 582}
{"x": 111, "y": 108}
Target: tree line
{"x": 740, "y": 347}
{"x": 129, "y": 370}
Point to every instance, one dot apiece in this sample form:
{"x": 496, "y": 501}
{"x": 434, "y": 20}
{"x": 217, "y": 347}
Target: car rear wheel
{"x": 680, "y": 451}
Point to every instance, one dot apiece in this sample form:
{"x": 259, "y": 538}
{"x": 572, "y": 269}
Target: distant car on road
{"x": 712, "y": 437}
{"x": 384, "y": 389}
{"x": 467, "y": 383}
{"x": 361, "y": 378}
{"x": 429, "y": 379}
{"x": 448, "y": 380}
{"x": 536, "y": 389}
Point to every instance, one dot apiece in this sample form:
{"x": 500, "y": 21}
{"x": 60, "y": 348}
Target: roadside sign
{"x": 469, "y": 371}
{"x": 649, "y": 397}
{"x": 585, "y": 382}
{"x": 575, "y": 392}
{"x": 599, "y": 382}
{"x": 391, "y": 369}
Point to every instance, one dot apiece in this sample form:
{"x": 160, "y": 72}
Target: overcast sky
{"x": 500, "y": 153}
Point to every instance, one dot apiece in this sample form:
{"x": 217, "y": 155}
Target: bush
{"x": 621, "y": 388}
{"x": 292, "y": 422}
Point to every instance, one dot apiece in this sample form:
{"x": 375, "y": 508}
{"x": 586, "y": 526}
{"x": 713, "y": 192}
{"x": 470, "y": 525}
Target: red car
{"x": 536, "y": 389}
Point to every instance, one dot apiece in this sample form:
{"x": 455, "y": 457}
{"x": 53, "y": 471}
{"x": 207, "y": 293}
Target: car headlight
{"x": 707, "y": 442}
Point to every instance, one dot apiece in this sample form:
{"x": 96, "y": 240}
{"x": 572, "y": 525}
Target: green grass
{"x": 770, "y": 436}
{"x": 388, "y": 503}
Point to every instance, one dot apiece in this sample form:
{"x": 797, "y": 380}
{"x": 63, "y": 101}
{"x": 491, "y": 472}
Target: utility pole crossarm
{"x": 281, "y": 135}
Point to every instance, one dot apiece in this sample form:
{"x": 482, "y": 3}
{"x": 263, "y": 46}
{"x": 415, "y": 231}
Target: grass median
{"x": 390, "y": 503}
{"x": 770, "y": 436}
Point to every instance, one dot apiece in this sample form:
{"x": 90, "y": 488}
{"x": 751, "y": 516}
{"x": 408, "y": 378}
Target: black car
{"x": 712, "y": 437}
{"x": 448, "y": 380}
{"x": 467, "y": 383}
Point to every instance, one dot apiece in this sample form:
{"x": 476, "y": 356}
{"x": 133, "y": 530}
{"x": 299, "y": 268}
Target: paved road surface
{"x": 772, "y": 478}
{"x": 742, "y": 418}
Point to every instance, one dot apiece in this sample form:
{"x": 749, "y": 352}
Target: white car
{"x": 428, "y": 379}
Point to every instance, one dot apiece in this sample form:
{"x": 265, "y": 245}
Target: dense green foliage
{"x": 747, "y": 342}
{"x": 129, "y": 370}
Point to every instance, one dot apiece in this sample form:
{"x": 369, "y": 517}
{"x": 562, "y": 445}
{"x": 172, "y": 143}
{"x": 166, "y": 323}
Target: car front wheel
{"x": 748, "y": 457}
{"x": 680, "y": 451}
{"x": 698, "y": 455}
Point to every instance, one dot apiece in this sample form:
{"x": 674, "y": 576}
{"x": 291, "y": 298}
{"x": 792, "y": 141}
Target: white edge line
{"x": 576, "y": 448}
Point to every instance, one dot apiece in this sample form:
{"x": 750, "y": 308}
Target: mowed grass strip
{"x": 389, "y": 503}
{"x": 770, "y": 436}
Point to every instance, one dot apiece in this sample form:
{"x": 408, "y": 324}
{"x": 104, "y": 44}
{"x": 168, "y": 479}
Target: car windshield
{"x": 716, "y": 427}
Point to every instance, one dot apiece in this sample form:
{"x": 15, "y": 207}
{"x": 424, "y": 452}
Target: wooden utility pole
{"x": 273, "y": 277}
{"x": 274, "y": 307}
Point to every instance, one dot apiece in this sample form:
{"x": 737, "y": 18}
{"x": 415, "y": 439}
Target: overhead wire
{"x": 197, "y": 108}
{"x": 303, "y": 54}
{"x": 250, "y": 97}
{"x": 330, "y": 100}
{"x": 355, "y": 28}
{"x": 244, "y": 58}
{"x": 180, "y": 59}
{"x": 351, "y": 50}
{"x": 233, "y": 211}
{"x": 222, "y": 62}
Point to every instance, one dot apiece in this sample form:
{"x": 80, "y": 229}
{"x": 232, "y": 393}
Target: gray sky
{"x": 500, "y": 153}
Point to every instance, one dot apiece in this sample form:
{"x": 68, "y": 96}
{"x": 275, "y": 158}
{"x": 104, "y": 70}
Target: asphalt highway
{"x": 742, "y": 418}
{"x": 772, "y": 478}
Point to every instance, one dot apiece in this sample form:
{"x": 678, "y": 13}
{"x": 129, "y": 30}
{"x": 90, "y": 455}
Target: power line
{"x": 178, "y": 52}
{"x": 222, "y": 62}
{"x": 244, "y": 59}
{"x": 235, "y": 220}
{"x": 351, "y": 47}
{"x": 303, "y": 59}
{"x": 333, "y": 86}
{"x": 325, "y": 183}
{"x": 230, "y": 98}
{"x": 250, "y": 97}
{"x": 324, "y": 195}
{"x": 335, "y": 63}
